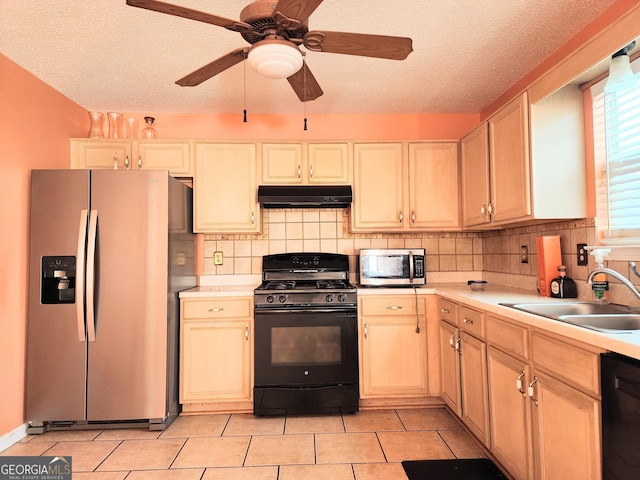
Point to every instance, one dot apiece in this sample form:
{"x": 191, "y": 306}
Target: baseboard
{"x": 13, "y": 437}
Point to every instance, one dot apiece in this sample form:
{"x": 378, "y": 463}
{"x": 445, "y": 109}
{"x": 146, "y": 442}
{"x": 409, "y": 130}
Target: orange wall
{"x": 35, "y": 125}
{"x": 320, "y": 127}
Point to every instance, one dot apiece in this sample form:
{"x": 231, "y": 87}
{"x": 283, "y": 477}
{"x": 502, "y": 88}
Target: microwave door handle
{"x": 80, "y": 275}
{"x": 411, "y": 272}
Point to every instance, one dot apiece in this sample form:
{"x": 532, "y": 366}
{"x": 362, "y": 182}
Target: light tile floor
{"x": 368, "y": 445}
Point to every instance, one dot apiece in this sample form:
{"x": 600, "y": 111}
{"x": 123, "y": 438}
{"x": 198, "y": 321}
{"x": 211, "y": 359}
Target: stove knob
{"x": 270, "y": 298}
{"x": 342, "y": 297}
{"x": 330, "y": 297}
{"x": 282, "y": 298}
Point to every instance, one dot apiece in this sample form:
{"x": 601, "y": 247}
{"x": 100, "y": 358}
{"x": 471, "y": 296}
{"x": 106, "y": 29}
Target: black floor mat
{"x": 457, "y": 469}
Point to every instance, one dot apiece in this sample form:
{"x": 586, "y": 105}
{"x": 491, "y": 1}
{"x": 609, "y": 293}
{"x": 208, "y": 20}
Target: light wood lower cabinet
{"x": 510, "y": 413}
{"x": 474, "y": 398}
{"x": 533, "y": 398}
{"x": 393, "y": 355}
{"x": 450, "y": 365}
{"x": 216, "y": 351}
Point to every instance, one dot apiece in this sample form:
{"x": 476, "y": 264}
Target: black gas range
{"x": 306, "y": 342}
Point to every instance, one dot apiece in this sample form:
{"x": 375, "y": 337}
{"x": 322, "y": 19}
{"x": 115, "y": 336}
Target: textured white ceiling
{"x": 108, "y": 56}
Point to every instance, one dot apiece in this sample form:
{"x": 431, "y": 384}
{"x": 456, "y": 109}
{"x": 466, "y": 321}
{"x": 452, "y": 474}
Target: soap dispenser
{"x": 563, "y": 286}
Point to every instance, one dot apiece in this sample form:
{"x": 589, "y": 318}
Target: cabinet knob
{"x": 299, "y": 172}
{"x": 310, "y": 171}
{"x": 126, "y": 162}
{"x": 216, "y": 309}
{"x": 413, "y": 217}
{"x": 393, "y": 307}
{"x": 366, "y": 330}
{"x": 519, "y": 385}
{"x": 246, "y": 331}
{"x": 401, "y": 217}
{"x": 140, "y": 162}
{"x": 468, "y": 321}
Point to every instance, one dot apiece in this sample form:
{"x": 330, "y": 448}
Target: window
{"x": 616, "y": 119}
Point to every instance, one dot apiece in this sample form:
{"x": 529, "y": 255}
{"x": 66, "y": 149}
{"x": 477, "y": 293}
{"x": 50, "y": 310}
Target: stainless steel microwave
{"x": 392, "y": 267}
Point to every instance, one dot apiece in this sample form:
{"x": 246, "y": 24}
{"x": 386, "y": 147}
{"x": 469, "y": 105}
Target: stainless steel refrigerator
{"x": 109, "y": 252}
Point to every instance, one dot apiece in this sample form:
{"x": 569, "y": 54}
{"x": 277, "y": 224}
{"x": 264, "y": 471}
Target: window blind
{"x": 616, "y": 118}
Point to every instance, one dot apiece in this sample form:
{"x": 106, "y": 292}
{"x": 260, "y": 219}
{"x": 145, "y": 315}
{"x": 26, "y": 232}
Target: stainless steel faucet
{"x": 625, "y": 281}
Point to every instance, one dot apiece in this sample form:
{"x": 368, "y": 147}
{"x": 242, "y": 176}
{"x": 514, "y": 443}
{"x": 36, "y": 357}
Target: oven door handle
{"x": 304, "y": 310}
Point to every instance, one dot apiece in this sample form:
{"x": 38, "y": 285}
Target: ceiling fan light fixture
{"x": 275, "y": 58}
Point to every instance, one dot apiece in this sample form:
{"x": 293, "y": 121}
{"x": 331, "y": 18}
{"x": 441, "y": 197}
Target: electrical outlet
{"x": 583, "y": 255}
{"x": 524, "y": 254}
{"x": 217, "y": 258}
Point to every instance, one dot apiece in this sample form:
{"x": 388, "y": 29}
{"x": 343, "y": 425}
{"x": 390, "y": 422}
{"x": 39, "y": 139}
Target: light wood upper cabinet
{"x": 388, "y": 338}
{"x": 172, "y": 155}
{"x": 509, "y": 158}
{"x": 405, "y": 187}
{"x": 313, "y": 163}
{"x": 225, "y": 188}
{"x": 160, "y": 155}
{"x": 433, "y": 186}
{"x": 216, "y": 348}
{"x": 474, "y": 160}
{"x": 100, "y": 153}
{"x": 378, "y": 193}
{"x": 526, "y": 162}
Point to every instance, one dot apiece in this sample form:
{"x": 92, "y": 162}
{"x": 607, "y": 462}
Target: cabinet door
{"x": 394, "y": 356}
{"x": 378, "y": 187}
{"x": 566, "y": 431}
{"x": 433, "y": 186}
{"x": 510, "y": 413}
{"x": 450, "y": 366}
{"x": 216, "y": 361}
{"x": 100, "y": 154}
{"x": 474, "y": 159}
{"x": 282, "y": 163}
{"x": 225, "y": 189}
{"x": 159, "y": 155}
{"x": 509, "y": 156}
{"x": 473, "y": 376}
{"x": 328, "y": 163}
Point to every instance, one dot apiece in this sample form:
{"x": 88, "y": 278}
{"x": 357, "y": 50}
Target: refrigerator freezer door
{"x": 127, "y": 364}
{"x": 56, "y": 357}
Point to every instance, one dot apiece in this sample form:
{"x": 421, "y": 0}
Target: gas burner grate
{"x": 330, "y": 284}
{"x": 281, "y": 285}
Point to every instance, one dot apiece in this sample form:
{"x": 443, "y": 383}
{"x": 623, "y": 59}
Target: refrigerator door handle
{"x": 91, "y": 257}
{"x": 80, "y": 302}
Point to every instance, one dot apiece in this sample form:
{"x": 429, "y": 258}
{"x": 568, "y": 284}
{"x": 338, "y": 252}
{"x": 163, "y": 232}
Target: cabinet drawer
{"x": 508, "y": 336}
{"x": 471, "y": 320}
{"x": 240, "y": 307}
{"x": 569, "y": 363}
{"x": 392, "y": 305}
{"x": 447, "y": 311}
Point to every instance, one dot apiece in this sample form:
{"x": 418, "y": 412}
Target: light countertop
{"x": 488, "y": 301}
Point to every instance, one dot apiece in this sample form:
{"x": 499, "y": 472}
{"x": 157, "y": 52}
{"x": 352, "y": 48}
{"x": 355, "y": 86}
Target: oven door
{"x": 306, "y": 347}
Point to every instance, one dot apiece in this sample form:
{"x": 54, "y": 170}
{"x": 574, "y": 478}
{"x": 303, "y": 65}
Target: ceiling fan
{"x": 276, "y": 29}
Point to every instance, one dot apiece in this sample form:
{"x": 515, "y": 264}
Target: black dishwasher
{"x": 620, "y": 417}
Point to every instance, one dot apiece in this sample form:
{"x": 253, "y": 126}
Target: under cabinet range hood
{"x": 305, "y": 196}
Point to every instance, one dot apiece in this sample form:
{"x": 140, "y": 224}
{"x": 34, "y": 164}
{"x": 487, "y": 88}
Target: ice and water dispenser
{"x": 58, "y": 280}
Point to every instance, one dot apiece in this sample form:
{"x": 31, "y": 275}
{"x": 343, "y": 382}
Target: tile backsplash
{"x": 327, "y": 230}
{"x": 451, "y": 256}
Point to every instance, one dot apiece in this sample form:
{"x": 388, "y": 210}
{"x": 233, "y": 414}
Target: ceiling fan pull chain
{"x": 244, "y": 66}
{"x": 304, "y": 81}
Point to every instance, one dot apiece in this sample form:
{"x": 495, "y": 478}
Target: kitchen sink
{"x": 605, "y": 323}
{"x": 556, "y": 309}
{"x": 604, "y": 317}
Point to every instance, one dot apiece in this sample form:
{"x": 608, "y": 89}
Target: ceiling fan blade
{"x": 184, "y": 12}
{"x": 304, "y": 78}
{"x": 364, "y": 45}
{"x": 296, "y": 9}
{"x": 212, "y": 69}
